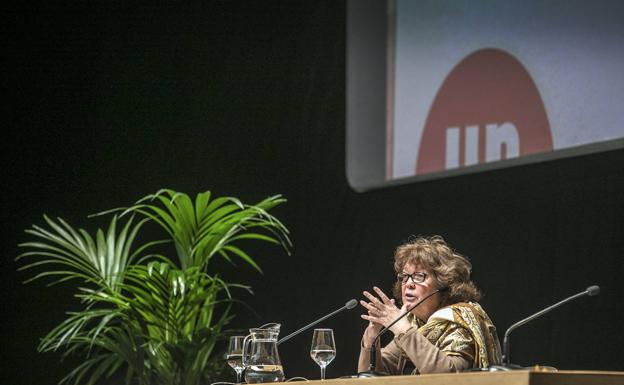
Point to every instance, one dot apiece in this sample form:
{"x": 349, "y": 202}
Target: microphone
{"x": 373, "y": 356}
{"x": 349, "y": 305}
{"x": 590, "y": 291}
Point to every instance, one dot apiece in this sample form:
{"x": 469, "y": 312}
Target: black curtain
{"x": 109, "y": 101}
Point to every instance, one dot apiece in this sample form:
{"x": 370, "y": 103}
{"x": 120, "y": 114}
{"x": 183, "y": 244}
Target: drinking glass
{"x": 234, "y": 356}
{"x": 323, "y": 349}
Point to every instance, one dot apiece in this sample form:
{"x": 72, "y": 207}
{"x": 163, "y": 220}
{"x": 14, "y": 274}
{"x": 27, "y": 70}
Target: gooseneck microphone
{"x": 349, "y": 305}
{"x": 371, "y": 372}
{"x": 590, "y": 291}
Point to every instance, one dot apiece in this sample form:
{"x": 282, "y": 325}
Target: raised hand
{"x": 383, "y": 311}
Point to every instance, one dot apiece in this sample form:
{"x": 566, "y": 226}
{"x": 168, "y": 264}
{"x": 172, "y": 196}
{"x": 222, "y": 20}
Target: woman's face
{"x": 412, "y": 292}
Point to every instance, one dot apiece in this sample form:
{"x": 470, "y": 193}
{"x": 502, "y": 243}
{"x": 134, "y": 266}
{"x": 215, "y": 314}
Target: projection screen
{"x": 441, "y": 88}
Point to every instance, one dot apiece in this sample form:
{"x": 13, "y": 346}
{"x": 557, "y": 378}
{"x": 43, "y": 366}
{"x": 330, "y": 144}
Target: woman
{"x": 447, "y": 332}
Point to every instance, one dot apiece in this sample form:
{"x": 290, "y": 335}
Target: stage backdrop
{"x": 109, "y": 102}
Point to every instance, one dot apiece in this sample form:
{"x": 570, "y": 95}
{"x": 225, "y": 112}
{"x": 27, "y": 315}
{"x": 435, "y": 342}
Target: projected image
{"x": 476, "y": 85}
{"x": 488, "y": 109}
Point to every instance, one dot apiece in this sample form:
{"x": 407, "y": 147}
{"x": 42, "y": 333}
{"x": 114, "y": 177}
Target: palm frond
{"x": 101, "y": 262}
{"x": 204, "y": 228}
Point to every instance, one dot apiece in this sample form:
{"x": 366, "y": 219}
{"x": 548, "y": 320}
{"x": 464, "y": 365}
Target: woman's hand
{"x": 382, "y": 311}
{"x": 370, "y": 333}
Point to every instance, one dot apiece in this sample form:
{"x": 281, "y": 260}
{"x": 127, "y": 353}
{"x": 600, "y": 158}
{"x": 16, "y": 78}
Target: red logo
{"x": 487, "y": 109}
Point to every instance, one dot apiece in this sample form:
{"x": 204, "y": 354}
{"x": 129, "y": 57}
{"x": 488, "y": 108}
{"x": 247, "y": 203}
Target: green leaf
{"x": 243, "y": 255}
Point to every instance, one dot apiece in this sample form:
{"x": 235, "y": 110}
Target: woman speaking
{"x": 447, "y": 332}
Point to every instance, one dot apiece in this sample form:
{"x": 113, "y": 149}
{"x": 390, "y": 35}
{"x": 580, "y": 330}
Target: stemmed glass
{"x": 323, "y": 349}
{"x": 234, "y": 356}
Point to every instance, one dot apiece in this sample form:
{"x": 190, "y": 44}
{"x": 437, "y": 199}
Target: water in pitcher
{"x": 264, "y": 373}
{"x": 261, "y": 358}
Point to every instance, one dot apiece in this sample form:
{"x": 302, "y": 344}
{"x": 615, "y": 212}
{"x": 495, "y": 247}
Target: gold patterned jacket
{"x": 456, "y": 337}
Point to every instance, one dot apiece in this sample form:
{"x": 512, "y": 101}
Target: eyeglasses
{"x": 417, "y": 277}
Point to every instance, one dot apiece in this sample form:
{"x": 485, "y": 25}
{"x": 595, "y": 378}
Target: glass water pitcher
{"x": 260, "y": 356}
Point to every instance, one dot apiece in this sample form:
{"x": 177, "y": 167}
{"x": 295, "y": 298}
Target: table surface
{"x": 517, "y": 377}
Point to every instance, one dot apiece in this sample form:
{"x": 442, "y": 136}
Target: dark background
{"x": 106, "y": 102}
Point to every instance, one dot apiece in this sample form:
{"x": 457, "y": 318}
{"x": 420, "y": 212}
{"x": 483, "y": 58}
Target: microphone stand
{"x": 371, "y": 372}
{"x": 349, "y": 305}
{"x": 590, "y": 291}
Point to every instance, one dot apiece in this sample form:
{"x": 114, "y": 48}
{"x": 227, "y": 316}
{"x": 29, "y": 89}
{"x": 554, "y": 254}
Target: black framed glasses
{"x": 417, "y": 277}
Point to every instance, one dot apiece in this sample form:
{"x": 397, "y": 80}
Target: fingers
{"x": 375, "y": 306}
{"x": 381, "y": 310}
{"x": 371, "y": 319}
{"x": 372, "y": 298}
{"x": 382, "y": 295}
{"x": 376, "y": 301}
{"x": 372, "y": 310}
{"x": 368, "y": 306}
{"x": 371, "y": 332}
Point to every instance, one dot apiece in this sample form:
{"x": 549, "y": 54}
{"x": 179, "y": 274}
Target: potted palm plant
{"x": 154, "y": 317}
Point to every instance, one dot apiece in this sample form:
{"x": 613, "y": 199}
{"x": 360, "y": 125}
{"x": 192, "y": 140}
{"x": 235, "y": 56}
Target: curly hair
{"x": 448, "y": 268}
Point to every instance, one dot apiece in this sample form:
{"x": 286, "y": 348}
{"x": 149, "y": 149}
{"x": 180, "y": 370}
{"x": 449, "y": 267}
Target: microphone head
{"x": 443, "y": 288}
{"x": 353, "y": 303}
{"x": 593, "y": 290}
